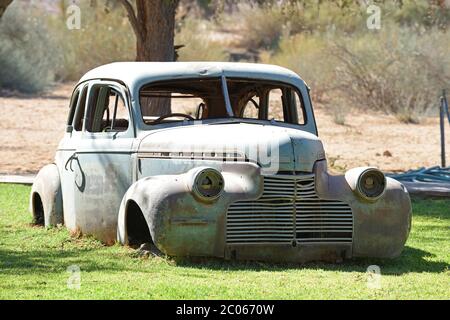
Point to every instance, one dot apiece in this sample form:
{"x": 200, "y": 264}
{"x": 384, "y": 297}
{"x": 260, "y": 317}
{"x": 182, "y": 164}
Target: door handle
{"x": 71, "y": 158}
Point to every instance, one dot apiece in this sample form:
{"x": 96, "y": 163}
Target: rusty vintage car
{"x": 212, "y": 159}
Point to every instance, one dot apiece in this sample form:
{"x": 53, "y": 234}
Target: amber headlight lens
{"x": 208, "y": 184}
{"x": 371, "y": 184}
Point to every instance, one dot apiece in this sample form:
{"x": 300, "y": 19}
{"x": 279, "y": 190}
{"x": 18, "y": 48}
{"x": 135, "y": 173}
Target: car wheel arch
{"x": 136, "y": 226}
{"x": 134, "y": 204}
{"x": 37, "y": 209}
{"x": 46, "y": 201}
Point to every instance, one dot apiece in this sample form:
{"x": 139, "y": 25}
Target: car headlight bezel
{"x": 371, "y": 184}
{"x": 208, "y": 184}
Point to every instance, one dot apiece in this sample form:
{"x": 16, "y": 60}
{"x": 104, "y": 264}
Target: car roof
{"x": 136, "y": 74}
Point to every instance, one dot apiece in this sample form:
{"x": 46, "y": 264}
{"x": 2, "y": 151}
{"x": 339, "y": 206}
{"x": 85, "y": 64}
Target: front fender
{"x": 178, "y": 222}
{"x": 381, "y": 228}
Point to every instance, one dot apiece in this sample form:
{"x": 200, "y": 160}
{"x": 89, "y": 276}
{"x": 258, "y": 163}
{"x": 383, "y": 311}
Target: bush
{"x": 262, "y": 25}
{"x": 37, "y": 48}
{"x": 259, "y": 26}
{"x": 27, "y": 52}
{"x": 308, "y": 56}
{"x": 422, "y": 13}
{"x": 396, "y": 71}
{"x": 105, "y": 36}
{"x": 198, "y": 45}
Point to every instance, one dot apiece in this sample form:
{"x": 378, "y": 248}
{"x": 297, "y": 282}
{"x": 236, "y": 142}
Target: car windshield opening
{"x": 199, "y": 99}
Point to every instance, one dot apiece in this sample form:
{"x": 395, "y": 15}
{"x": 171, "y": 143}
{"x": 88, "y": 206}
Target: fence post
{"x": 442, "y": 117}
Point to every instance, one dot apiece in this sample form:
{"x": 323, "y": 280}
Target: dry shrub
{"x": 395, "y": 71}
{"x": 421, "y": 13}
{"x": 198, "y": 44}
{"x": 105, "y": 36}
{"x": 27, "y": 51}
{"x": 37, "y": 48}
{"x": 310, "y": 58}
{"x": 262, "y": 24}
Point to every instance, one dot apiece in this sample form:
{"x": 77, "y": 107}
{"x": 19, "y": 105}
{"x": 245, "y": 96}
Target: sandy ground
{"x": 31, "y": 127}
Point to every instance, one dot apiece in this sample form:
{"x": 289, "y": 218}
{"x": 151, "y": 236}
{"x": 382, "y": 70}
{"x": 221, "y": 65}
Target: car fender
{"x": 380, "y": 228}
{"x": 180, "y": 223}
{"x": 47, "y": 185}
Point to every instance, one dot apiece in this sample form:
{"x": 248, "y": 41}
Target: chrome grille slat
{"x": 238, "y": 233}
{"x": 334, "y": 229}
{"x": 322, "y": 222}
{"x": 329, "y": 209}
{"x": 324, "y": 240}
{"x": 272, "y": 219}
{"x": 278, "y": 192}
{"x": 246, "y": 227}
{"x": 289, "y": 209}
{"x": 263, "y": 211}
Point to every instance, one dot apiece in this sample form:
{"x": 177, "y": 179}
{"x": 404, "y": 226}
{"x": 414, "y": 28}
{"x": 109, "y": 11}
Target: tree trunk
{"x": 154, "y": 27}
{"x": 157, "y": 20}
{"x": 3, "y": 5}
{"x": 157, "y": 42}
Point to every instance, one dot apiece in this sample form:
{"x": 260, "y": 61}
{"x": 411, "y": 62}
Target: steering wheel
{"x": 170, "y": 115}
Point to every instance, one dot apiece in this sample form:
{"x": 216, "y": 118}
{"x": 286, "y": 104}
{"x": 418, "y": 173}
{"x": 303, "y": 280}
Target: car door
{"x": 66, "y": 151}
{"x": 103, "y": 161}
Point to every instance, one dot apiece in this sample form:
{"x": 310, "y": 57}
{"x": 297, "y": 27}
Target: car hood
{"x": 273, "y": 147}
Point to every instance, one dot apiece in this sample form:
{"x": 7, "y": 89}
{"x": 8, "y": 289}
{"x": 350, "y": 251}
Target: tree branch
{"x": 133, "y": 19}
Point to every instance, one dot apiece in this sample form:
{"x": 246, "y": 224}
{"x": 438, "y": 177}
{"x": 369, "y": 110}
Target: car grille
{"x": 289, "y": 210}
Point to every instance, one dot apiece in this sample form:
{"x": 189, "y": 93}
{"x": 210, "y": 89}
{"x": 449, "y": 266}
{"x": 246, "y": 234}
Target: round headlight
{"x": 371, "y": 184}
{"x": 208, "y": 184}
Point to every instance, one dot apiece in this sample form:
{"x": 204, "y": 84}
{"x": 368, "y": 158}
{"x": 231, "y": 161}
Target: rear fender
{"x": 47, "y": 186}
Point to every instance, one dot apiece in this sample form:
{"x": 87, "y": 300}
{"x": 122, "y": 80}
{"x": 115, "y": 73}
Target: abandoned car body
{"x": 212, "y": 159}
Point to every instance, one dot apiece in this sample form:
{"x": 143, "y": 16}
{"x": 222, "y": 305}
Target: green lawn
{"x": 34, "y": 261}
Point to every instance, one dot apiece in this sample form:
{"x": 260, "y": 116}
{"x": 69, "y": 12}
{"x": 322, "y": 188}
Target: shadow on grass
{"x": 411, "y": 260}
{"x": 55, "y": 260}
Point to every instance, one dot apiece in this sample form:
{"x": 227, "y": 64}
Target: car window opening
{"x": 107, "y": 110}
{"x": 200, "y": 99}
